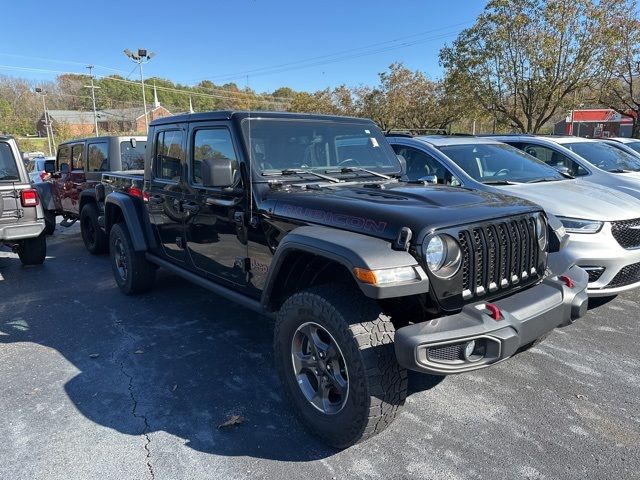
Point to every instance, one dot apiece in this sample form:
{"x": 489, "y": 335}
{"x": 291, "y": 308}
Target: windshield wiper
{"x": 619, "y": 170}
{"x": 300, "y": 172}
{"x": 499, "y": 182}
{"x": 544, "y": 179}
{"x": 359, "y": 169}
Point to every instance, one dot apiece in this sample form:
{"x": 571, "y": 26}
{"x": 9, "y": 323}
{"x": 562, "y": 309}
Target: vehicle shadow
{"x": 177, "y": 359}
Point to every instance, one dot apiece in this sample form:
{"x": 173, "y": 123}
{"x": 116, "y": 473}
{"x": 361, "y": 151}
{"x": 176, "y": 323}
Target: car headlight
{"x": 577, "y": 225}
{"x": 443, "y": 256}
{"x": 541, "y": 232}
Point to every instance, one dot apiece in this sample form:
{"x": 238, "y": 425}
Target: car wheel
{"x": 132, "y": 271}
{"x": 335, "y": 357}
{"x": 93, "y": 236}
{"x": 33, "y": 251}
{"x": 49, "y": 222}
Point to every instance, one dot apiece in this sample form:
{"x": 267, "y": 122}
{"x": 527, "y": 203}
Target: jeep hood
{"x": 576, "y": 199}
{"x": 383, "y": 211}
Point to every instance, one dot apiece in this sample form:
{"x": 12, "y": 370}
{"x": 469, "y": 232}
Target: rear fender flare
{"x": 131, "y": 213}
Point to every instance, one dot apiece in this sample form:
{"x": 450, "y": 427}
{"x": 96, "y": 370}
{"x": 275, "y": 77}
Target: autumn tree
{"x": 524, "y": 60}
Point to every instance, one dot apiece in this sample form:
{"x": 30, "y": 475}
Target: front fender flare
{"x": 351, "y": 250}
{"x": 131, "y": 213}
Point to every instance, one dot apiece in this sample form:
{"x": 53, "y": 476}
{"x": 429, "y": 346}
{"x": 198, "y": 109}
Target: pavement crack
{"x": 134, "y": 409}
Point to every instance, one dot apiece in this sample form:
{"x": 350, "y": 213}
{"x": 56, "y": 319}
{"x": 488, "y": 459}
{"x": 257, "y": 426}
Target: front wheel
{"x": 33, "y": 251}
{"x": 132, "y": 271}
{"x": 335, "y": 357}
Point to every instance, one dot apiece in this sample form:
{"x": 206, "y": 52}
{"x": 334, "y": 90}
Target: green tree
{"x": 523, "y": 60}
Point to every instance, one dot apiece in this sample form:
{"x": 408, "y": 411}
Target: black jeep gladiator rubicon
{"x": 305, "y": 218}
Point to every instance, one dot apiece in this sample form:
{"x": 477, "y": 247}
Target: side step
{"x": 214, "y": 287}
{"x": 68, "y": 223}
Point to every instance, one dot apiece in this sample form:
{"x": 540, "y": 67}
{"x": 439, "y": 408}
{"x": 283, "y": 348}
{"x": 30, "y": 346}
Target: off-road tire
{"x": 49, "y": 222}
{"x": 377, "y": 384}
{"x": 140, "y": 273}
{"x": 33, "y": 251}
{"x": 93, "y": 236}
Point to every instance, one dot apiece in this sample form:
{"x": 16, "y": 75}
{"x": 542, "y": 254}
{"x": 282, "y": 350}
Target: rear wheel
{"x": 132, "y": 271}
{"x": 335, "y": 357}
{"x": 33, "y": 251}
{"x": 49, "y": 222}
{"x": 94, "y": 238}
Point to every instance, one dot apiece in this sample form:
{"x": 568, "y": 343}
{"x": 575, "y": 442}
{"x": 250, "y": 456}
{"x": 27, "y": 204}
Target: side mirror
{"x": 403, "y": 165}
{"x": 219, "y": 172}
{"x": 430, "y": 179}
{"x": 64, "y": 168}
{"x": 562, "y": 169}
{"x": 133, "y": 142}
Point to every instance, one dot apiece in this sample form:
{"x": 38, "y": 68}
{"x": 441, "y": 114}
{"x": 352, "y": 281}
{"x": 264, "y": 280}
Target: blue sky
{"x": 222, "y": 40}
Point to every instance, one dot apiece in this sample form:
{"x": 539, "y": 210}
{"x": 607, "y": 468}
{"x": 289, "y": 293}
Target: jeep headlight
{"x": 578, "y": 225}
{"x": 541, "y": 232}
{"x": 443, "y": 256}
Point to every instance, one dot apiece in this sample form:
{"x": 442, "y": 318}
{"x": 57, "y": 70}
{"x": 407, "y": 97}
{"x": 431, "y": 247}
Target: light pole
{"x": 140, "y": 57}
{"x": 93, "y": 97}
{"x": 43, "y": 93}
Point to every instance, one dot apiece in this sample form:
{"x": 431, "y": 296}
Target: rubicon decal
{"x": 337, "y": 219}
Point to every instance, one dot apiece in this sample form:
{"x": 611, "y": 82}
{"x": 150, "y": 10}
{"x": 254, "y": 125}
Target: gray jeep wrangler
{"x": 21, "y": 215}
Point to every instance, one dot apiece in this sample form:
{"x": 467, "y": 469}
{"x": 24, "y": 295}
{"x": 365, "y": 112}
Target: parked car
{"x": 21, "y": 216}
{"x": 79, "y": 167}
{"x": 600, "y": 220}
{"x": 40, "y": 169}
{"x": 632, "y": 143}
{"x": 304, "y": 218}
{"x": 620, "y": 146}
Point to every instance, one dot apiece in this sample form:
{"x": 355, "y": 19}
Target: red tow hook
{"x": 568, "y": 281}
{"x": 494, "y": 311}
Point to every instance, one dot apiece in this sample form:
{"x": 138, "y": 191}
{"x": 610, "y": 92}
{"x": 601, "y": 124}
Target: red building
{"x": 595, "y": 123}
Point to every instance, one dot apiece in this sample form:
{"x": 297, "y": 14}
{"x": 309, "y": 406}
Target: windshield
{"x": 8, "y": 167}
{"x": 499, "y": 164}
{"x": 132, "y": 158}
{"x": 319, "y": 146}
{"x": 605, "y": 156}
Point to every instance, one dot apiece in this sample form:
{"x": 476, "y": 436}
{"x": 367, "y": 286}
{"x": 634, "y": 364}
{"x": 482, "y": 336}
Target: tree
{"x": 523, "y": 60}
{"x": 620, "y": 89}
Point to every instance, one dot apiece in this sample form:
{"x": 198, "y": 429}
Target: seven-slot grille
{"x": 498, "y": 255}
{"x": 627, "y": 232}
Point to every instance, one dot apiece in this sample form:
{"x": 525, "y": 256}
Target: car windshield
{"x": 499, "y": 164}
{"x": 282, "y": 146}
{"x": 132, "y": 158}
{"x": 8, "y": 167}
{"x": 605, "y": 156}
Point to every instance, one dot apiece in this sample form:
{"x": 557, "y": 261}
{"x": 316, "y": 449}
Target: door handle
{"x": 155, "y": 199}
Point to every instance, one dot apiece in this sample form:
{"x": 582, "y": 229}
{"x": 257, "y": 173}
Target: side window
{"x": 209, "y": 144}
{"x": 31, "y": 166}
{"x": 98, "y": 160}
{"x": 421, "y": 164}
{"x": 64, "y": 158}
{"x": 77, "y": 157}
{"x": 554, "y": 159}
{"x": 168, "y": 155}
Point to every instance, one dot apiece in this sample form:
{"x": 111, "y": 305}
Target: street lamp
{"x": 140, "y": 57}
{"x": 47, "y": 123}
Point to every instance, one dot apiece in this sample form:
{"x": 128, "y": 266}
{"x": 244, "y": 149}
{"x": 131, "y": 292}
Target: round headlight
{"x": 541, "y": 232}
{"x": 443, "y": 256}
{"x": 436, "y": 253}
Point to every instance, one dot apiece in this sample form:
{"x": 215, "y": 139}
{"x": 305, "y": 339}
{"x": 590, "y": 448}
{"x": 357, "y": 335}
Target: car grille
{"x": 499, "y": 255}
{"x": 627, "y": 232}
{"x": 626, "y": 276}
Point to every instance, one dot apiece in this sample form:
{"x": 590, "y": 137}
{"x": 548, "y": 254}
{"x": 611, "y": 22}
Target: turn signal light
{"x": 29, "y": 198}
{"x": 384, "y": 276}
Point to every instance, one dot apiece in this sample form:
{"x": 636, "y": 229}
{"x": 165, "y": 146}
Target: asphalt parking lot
{"x": 99, "y": 385}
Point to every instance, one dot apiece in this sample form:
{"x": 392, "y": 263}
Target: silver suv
{"x": 21, "y": 215}
{"x": 603, "y": 224}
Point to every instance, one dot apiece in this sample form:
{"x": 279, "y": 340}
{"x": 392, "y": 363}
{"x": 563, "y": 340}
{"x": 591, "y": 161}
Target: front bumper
{"x": 21, "y": 230}
{"x": 602, "y": 251}
{"x": 437, "y": 346}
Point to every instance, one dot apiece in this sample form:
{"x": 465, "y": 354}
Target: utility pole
{"x": 93, "y": 98}
{"x": 140, "y": 57}
{"x": 43, "y": 93}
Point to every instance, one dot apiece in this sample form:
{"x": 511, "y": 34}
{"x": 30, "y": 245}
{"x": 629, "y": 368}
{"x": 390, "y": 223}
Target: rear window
{"x": 132, "y": 158}
{"x": 8, "y": 167}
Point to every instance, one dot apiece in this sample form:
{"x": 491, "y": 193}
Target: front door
{"x": 73, "y": 182}
{"x": 214, "y": 216}
{"x": 166, "y": 191}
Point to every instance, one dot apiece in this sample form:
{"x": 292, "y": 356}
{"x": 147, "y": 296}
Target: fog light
{"x": 469, "y": 348}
